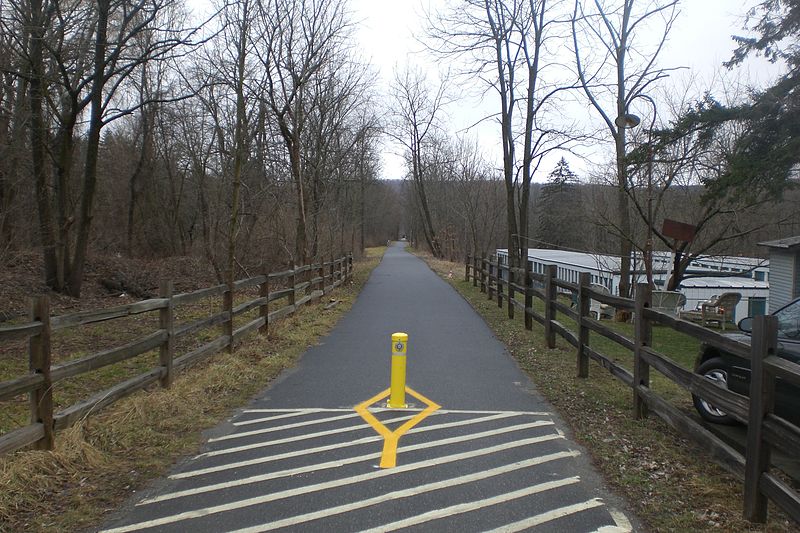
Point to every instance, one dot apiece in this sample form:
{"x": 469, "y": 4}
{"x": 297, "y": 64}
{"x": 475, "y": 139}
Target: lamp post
{"x": 631, "y": 121}
{"x": 648, "y": 246}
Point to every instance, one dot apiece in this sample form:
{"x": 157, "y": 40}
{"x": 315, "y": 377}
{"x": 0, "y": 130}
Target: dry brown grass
{"x": 99, "y": 462}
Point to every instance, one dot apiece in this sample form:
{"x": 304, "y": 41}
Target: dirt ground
{"x": 110, "y": 280}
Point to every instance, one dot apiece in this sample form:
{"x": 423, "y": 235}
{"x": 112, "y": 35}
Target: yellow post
{"x": 397, "y": 396}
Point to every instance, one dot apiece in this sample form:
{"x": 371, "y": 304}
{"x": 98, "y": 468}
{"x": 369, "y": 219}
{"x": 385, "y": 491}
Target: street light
{"x": 630, "y": 120}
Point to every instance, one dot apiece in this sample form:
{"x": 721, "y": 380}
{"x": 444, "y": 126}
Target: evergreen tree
{"x": 559, "y": 203}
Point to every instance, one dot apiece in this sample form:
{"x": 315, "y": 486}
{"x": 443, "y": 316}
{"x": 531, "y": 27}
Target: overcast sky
{"x": 700, "y": 40}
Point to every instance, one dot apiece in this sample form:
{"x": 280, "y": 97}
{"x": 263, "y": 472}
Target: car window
{"x": 789, "y": 320}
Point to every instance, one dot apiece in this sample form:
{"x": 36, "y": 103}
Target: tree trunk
{"x": 75, "y": 276}
{"x": 625, "y": 247}
{"x": 301, "y": 238}
{"x": 39, "y": 148}
{"x": 65, "y": 141}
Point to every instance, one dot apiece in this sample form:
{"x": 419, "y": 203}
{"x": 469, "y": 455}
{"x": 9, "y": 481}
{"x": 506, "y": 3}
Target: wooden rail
{"x": 766, "y": 430}
{"x": 304, "y": 284}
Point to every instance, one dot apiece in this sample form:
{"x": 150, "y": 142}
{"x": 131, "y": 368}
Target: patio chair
{"x": 668, "y": 302}
{"x": 719, "y": 309}
{"x": 598, "y": 310}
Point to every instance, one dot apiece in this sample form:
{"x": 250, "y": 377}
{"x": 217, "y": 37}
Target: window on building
{"x": 756, "y": 305}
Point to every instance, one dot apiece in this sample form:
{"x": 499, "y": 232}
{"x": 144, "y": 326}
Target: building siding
{"x": 782, "y": 278}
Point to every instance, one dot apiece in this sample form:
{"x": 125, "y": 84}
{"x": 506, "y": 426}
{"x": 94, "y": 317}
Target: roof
{"x": 785, "y": 244}
{"x": 599, "y": 262}
{"x": 732, "y": 282}
{"x": 662, "y": 261}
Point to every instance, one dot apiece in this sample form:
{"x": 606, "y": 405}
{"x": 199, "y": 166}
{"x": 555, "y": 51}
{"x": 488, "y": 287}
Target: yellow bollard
{"x": 397, "y": 396}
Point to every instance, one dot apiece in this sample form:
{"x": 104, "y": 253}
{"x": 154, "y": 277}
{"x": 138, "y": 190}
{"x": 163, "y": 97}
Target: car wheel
{"x": 717, "y": 371}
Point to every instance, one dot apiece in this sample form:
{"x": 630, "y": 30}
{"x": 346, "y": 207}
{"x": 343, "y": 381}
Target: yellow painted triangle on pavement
{"x": 391, "y": 438}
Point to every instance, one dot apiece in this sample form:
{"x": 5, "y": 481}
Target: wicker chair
{"x": 668, "y": 302}
{"x": 719, "y": 309}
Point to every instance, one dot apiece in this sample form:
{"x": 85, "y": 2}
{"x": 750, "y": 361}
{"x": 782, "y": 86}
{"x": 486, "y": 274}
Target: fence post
{"x": 499, "y": 276}
{"x": 510, "y": 293}
{"x": 293, "y": 286}
{"x": 583, "y": 332}
{"x": 642, "y": 338}
{"x": 475, "y": 271}
{"x": 549, "y": 306}
{"x": 333, "y": 273}
{"x": 227, "y": 305}
{"x": 528, "y": 296}
{"x": 466, "y": 269}
{"x": 166, "y": 321}
{"x": 486, "y": 275}
{"x": 41, "y": 399}
{"x": 350, "y": 265}
{"x": 762, "y": 402}
{"x": 263, "y": 309}
{"x": 321, "y": 275}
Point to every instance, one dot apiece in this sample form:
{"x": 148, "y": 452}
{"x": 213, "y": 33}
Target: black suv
{"x": 733, "y": 372}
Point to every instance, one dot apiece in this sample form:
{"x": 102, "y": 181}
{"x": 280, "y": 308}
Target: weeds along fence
{"x": 516, "y": 289}
{"x": 293, "y": 288}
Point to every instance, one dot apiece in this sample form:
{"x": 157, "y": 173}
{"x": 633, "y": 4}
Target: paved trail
{"x": 299, "y": 458}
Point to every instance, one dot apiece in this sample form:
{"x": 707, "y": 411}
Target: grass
{"x": 98, "y": 463}
{"x": 76, "y": 342}
{"x": 669, "y": 482}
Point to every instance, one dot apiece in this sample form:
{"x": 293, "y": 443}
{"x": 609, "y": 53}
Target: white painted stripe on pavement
{"x": 266, "y": 498}
{"x": 457, "y": 412}
{"x": 347, "y": 429}
{"x": 429, "y": 487}
{"x": 284, "y": 427}
{"x": 365, "y": 440}
{"x": 278, "y": 457}
{"x": 473, "y": 505}
{"x": 284, "y": 415}
{"x": 549, "y": 516}
{"x": 385, "y": 409}
{"x": 307, "y": 436}
{"x": 623, "y": 525}
{"x": 321, "y": 466}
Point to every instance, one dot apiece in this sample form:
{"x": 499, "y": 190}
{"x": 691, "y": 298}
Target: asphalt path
{"x": 493, "y": 457}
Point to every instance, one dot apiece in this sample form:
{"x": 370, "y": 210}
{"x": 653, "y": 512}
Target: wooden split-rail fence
{"x": 295, "y": 288}
{"x": 515, "y": 288}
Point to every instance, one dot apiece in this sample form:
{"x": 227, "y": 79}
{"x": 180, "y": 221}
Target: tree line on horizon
{"x": 254, "y": 137}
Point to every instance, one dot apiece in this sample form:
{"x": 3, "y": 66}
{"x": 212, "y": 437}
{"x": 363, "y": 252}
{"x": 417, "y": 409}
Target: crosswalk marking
{"x": 365, "y": 440}
{"x": 266, "y": 498}
{"x": 292, "y": 414}
{"x": 549, "y": 516}
{"x": 296, "y": 439}
{"x": 510, "y": 463}
{"x": 474, "y": 505}
{"x": 428, "y": 487}
{"x": 319, "y": 466}
{"x": 282, "y": 428}
{"x": 311, "y": 410}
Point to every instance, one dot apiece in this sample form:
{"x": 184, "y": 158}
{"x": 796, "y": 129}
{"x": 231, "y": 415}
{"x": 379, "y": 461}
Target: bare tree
{"x": 297, "y": 39}
{"x": 508, "y": 43}
{"x": 684, "y": 171}
{"x": 77, "y": 57}
{"x": 415, "y": 117}
{"x": 604, "y": 34}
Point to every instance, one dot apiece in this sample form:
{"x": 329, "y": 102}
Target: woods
{"x": 131, "y": 127}
{"x": 257, "y": 135}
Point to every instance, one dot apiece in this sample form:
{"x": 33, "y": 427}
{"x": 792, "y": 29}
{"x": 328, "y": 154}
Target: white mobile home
{"x": 745, "y": 275}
